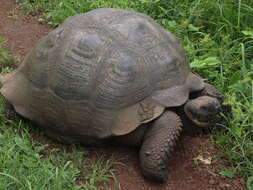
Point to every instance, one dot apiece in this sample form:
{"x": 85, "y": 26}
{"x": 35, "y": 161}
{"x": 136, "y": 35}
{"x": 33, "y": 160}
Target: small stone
{"x": 147, "y": 153}
{"x": 211, "y": 181}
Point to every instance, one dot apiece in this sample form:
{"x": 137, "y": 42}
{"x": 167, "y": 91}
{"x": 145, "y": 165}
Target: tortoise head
{"x": 203, "y": 111}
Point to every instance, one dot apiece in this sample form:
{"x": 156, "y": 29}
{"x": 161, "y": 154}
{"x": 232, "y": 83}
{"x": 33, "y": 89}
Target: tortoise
{"x": 112, "y": 76}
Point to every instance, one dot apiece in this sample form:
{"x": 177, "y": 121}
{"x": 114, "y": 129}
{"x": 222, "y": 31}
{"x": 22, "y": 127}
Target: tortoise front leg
{"x": 158, "y": 144}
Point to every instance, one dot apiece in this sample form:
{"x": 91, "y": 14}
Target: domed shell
{"x": 101, "y": 74}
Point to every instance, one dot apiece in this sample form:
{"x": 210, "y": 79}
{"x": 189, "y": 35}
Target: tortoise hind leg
{"x": 158, "y": 144}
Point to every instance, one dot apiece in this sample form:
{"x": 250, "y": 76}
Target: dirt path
{"x": 22, "y": 32}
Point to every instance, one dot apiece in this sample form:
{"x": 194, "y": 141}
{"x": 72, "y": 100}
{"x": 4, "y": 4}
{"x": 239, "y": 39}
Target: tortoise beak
{"x": 201, "y": 123}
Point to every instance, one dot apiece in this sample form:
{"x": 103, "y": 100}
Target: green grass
{"x": 218, "y": 37}
{"x": 6, "y": 60}
{"x": 27, "y": 164}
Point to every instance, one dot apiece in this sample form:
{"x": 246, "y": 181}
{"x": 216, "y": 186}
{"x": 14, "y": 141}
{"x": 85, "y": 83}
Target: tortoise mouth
{"x": 205, "y": 120}
{"x": 201, "y": 123}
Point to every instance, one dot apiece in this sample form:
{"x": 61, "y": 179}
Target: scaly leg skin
{"x": 158, "y": 144}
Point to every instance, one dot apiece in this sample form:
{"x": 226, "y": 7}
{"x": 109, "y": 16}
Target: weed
{"x": 6, "y": 60}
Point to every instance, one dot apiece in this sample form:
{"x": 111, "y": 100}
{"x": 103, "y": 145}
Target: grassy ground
{"x": 218, "y": 38}
{"x": 26, "y": 164}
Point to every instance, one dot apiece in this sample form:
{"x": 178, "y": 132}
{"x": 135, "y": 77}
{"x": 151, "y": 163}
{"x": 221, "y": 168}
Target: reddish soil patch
{"x": 20, "y": 30}
{"x": 23, "y": 31}
{"x": 184, "y": 172}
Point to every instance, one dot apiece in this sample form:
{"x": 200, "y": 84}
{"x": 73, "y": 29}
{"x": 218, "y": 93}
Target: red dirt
{"x": 20, "y": 30}
{"x": 23, "y": 31}
{"x": 184, "y": 173}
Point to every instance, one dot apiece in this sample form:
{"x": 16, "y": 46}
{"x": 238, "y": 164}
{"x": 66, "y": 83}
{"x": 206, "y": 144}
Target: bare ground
{"x": 194, "y": 166}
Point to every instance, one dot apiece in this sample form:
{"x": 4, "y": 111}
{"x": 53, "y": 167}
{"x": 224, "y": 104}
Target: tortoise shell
{"x": 101, "y": 74}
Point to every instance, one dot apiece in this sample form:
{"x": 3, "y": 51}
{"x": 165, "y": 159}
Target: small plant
{"x": 6, "y": 60}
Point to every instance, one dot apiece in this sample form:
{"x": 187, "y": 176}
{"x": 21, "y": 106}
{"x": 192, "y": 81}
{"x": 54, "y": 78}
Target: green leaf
{"x": 237, "y": 131}
{"x": 237, "y": 76}
{"x": 250, "y": 183}
{"x": 207, "y": 62}
{"x": 227, "y": 173}
{"x": 193, "y": 28}
{"x": 212, "y": 61}
{"x": 247, "y": 33}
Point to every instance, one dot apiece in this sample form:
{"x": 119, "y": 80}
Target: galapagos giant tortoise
{"x": 111, "y": 75}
